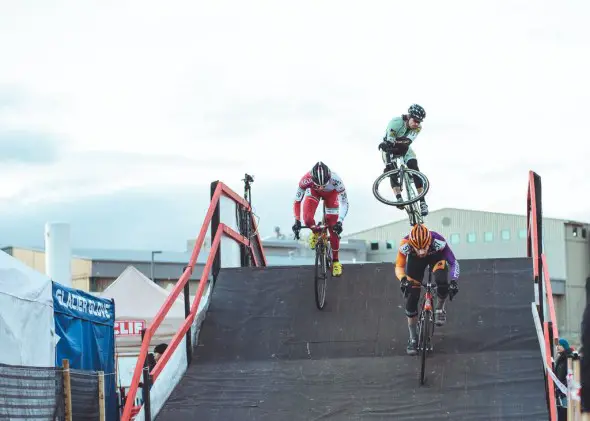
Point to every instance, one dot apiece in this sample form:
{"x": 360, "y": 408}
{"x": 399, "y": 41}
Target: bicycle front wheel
{"x": 423, "y": 341}
{"x": 411, "y": 198}
{"x": 321, "y": 275}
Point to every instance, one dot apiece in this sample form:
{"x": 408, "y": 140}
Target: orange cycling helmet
{"x": 420, "y": 237}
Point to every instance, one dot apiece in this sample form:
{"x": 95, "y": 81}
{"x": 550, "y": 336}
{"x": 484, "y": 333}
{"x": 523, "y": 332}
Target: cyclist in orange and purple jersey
{"x": 417, "y": 250}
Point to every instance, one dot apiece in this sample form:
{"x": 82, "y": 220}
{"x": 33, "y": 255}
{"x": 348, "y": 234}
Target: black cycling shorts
{"x": 416, "y": 270}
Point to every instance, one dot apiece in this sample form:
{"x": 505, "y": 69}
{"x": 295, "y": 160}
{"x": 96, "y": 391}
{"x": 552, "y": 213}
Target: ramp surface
{"x": 266, "y": 353}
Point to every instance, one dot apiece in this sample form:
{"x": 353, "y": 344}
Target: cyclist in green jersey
{"x": 400, "y": 134}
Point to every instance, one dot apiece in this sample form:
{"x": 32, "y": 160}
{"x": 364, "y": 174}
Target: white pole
{"x": 58, "y": 253}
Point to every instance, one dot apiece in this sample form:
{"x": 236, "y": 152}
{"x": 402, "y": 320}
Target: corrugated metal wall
{"x": 578, "y": 269}
{"x": 81, "y": 268}
{"x": 476, "y": 234}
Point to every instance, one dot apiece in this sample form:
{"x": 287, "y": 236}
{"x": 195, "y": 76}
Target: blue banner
{"x": 81, "y": 305}
{"x": 84, "y": 325}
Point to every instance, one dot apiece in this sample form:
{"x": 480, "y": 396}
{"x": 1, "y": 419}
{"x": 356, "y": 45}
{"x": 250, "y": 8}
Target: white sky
{"x": 138, "y": 94}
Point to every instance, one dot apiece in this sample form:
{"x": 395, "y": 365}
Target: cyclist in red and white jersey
{"x": 321, "y": 183}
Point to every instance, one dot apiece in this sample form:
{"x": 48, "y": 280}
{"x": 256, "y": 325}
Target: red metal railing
{"x": 533, "y": 240}
{"x": 541, "y": 275}
{"x": 550, "y": 384}
{"x": 549, "y": 292}
{"x": 223, "y": 229}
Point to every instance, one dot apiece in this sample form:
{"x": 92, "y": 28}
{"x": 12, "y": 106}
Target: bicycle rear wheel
{"x": 321, "y": 275}
{"x": 404, "y": 185}
{"x": 413, "y": 209}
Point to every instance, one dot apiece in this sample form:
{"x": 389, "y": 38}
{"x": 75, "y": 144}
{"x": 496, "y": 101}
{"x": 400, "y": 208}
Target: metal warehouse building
{"x": 472, "y": 235}
{"x": 477, "y": 234}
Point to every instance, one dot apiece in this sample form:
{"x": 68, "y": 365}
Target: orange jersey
{"x": 438, "y": 246}
{"x": 400, "y": 260}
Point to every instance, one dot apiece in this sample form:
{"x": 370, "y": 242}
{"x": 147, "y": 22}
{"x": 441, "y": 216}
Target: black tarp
{"x": 31, "y": 393}
{"x": 266, "y": 353}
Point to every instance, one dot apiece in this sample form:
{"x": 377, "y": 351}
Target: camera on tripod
{"x": 248, "y": 178}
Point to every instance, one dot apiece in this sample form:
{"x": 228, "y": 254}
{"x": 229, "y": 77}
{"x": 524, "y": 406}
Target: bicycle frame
{"x": 398, "y": 162}
{"x": 407, "y": 179}
{"x": 323, "y": 229}
{"x": 324, "y": 236}
{"x": 323, "y": 244}
{"x": 428, "y": 298}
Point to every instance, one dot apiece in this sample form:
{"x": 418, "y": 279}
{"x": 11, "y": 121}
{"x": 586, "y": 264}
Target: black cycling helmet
{"x": 320, "y": 174}
{"x": 417, "y": 112}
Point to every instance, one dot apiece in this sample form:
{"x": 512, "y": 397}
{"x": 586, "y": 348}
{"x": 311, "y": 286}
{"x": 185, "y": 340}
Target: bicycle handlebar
{"x": 320, "y": 226}
{"x": 414, "y": 283}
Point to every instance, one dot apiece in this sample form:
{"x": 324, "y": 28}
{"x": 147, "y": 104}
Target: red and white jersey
{"x": 334, "y": 186}
{"x": 305, "y": 183}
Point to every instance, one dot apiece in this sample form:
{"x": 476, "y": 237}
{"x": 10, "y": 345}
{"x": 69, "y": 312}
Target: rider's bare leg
{"x": 413, "y": 340}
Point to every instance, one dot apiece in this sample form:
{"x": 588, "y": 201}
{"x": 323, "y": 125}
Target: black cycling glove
{"x": 453, "y": 289}
{"x": 297, "y": 228}
{"x": 386, "y": 146}
{"x": 404, "y": 285}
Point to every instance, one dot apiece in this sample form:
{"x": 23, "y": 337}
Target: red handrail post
{"x": 542, "y": 283}
{"x": 550, "y": 384}
{"x": 167, "y": 305}
{"x": 185, "y": 327}
{"x": 549, "y": 292}
{"x": 180, "y": 286}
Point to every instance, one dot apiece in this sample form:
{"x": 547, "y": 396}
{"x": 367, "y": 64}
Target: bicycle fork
{"x": 327, "y": 251}
{"x": 427, "y": 302}
{"x": 427, "y": 317}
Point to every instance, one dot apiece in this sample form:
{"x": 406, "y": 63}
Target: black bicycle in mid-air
{"x": 405, "y": 177}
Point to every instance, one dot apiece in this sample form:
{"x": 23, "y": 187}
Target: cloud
{"x": 166, "y": 101}
{"x": 27, "y": 147}
{"x": 151, "y": 217}
{"x": 163, "y": 217}
{"x": 136, "y": 218}
{"x": 80, "y": 175}
{"x": 250, "y": 117}
{"x": 10, "y": 97}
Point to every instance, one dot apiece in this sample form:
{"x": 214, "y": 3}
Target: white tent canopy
{"x": 27, "y": 326}
{"x": 137, "y": 298}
